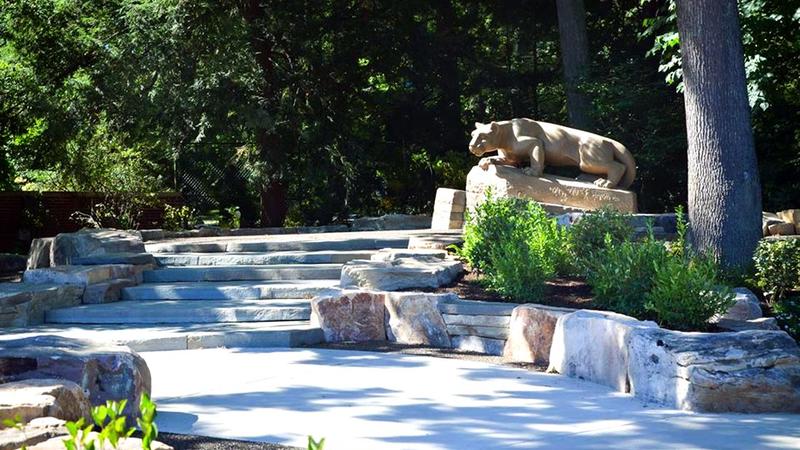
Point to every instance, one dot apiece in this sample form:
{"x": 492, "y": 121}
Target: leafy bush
{"x": 113, "y": 427}
{"x": 777, "y": 265}
{"x": 516, "y": 245}
{"x": 182, "y": 218}
{"x": 787, "y": 312}
{"x": 588, "y": 234}
{"x": 118, "y": 210}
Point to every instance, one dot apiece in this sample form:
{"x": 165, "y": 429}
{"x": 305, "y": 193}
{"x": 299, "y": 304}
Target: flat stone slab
{"x": 400, "y": 273}
{"x": 230, "y": 290}
{"x": 114, "y": 258}
{"x": 244, "y": 273}
{"x": 500, "y": 333}
{"x": 474, "y": 307}
{"x": 79, "y": 275}
{"x": 185, "y": 336}
{"x": 254, "y": 258}
{"x": 106, "y": 372}
{"x": 349, "y": 243}
{"x": 183, "y": 312}
{"x": 24, "y": 304}
{"x": 31, "y": 399}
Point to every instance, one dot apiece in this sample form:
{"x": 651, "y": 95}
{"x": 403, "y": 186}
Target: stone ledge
{"x": 23, "y": 304}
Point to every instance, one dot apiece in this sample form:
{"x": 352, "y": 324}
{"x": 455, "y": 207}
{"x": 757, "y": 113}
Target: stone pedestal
{"x": 448, "y": 209}
{"x": 508, "y": 181}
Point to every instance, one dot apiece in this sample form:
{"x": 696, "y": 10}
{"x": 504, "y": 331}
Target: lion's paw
{"x": 530, "y": 171}
{"x": 603, "y": 183}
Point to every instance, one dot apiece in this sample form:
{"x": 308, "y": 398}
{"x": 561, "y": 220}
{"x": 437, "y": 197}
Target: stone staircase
{"x": 235, "y": 292}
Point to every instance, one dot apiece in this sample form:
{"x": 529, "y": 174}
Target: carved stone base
{"x": 508, "y": 181}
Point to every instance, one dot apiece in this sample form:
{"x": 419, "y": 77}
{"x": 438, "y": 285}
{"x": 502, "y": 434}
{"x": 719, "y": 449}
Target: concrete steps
{"x": 309, "y": 245}
{"x": 257, "y": 259}
{"x": 244, "y": 273}
{"x": 230, "y": 290}
{"x": 186, "y": 336}
{"x": 182, "y": 312}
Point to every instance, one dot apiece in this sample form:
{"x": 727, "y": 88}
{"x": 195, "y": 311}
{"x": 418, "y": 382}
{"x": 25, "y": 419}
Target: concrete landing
{"x": 244, "y": 273}
{"x": 181, "y": 312}
{"x": 359, "y": 400}
{"x": 182, "y": 337}
{"x": 255, "y": 258}
{"x": 230, "y": 290}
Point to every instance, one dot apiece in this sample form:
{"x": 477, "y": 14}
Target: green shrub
{"x": 179, "y": 218}
{"x": 685, "y": 293}
{"x": 588, "y": 234}
{"x": 777, "y": 264}
{"x": 516, "y": 245}
{"x": 787, "y": 312}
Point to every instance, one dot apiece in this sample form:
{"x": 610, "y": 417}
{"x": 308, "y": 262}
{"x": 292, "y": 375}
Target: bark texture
{"x": 724, "y": 190}
{"x": 575, "y": 59}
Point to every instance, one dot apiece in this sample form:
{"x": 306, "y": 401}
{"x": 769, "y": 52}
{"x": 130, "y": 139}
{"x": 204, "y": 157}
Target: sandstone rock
{"x": 34, "y": 432}
{"x": 790, "y": 216}
{"x": 530, "y": 333}
{"x": 107, "y": 291}
{"x": 436, "y": 241}
{"x": 79, "y": 275}
{"x": 448, "y": 209}
{"x": 749, "y": 371}
{"x": 92, "y": 243}
{"x": 401, "y": 273}
{"x": 23, "y": 304}
{"x": 508, "y": 181}
{"x": 781, "y": 229}
{"x": 30, "y": 399}
{"x": 477, "y": 344}
{"x": 393, "y": 222}
{"x": 592, "y": 345}
{"x": 762, "y": 323}
{"x": 414, "y": 318}
{"x": 39, "y": 255}
{"x": 106, "y": 372}
{"x": 351, "y": 316}
{"x": 746, "y": 307}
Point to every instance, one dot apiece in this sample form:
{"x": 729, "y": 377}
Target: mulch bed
{"x": 191, "y": 442}
{"x": 567, "y": 292}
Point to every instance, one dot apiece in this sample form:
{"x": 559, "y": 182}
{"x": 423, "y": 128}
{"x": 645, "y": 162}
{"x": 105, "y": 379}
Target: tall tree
{"x": 575, "y": 60}
{"x": 724, "y": 190}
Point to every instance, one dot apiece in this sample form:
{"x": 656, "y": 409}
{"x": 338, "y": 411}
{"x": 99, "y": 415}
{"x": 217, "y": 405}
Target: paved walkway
{"x": 377, "y": 401}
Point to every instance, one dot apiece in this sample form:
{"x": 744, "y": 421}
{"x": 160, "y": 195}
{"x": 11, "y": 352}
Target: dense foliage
{"x": 347, "y": 107}
{"x": 777, "y": 264}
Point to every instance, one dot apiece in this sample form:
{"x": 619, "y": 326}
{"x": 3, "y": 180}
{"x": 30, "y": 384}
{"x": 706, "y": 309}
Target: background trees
{"x": 344, "y": 107}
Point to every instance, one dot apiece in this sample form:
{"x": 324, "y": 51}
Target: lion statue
{"x": 520, "y": 142}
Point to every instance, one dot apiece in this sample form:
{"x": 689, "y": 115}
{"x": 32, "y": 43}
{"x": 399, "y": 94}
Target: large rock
{"x": 508, "y": 181}
{"x": 29, "y": 399}
{"x": 530, "y": 333}
{"x": 448, "y": 209}
{"x": 762, "y": 323}
{"x": 23, "y": 304}
{"x": 105, "y": 372}
{"x": 745, "y": 307}
{"x": 400, "y": 273}
{"x": 79, "y": 275}
{"x": 749, "y": 371}
{"x": 592, "y": 345}
{"x": 350, "y": 316}
{"x": 39, "y": 255}
{"x": 93, "y": 242}
{"x": 414, "y": 318}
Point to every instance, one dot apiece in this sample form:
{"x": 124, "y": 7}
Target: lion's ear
{"x": 494, "y": 125}
{"x": 478, "y": 124}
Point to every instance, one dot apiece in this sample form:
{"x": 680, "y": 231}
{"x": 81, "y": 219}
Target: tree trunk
{"x": 575, "y": 59}
{"x": 724, "y": 190}
{"x": 453, "y": 133}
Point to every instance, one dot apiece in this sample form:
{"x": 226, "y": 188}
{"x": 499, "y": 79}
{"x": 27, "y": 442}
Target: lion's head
{"x": 483, "y": 138}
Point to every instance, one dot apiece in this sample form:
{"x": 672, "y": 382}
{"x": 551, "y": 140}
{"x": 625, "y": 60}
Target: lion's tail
{"x": 622, "y": 155}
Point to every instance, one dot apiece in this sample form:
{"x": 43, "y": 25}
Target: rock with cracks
{"x": 414, "y": 318}
{"x": 400, "y": 273}
{"x": 350, "y": 316}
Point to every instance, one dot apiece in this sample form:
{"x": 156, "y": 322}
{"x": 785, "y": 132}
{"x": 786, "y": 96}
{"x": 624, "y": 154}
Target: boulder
{"x": 762, "y": 323}
{"x": 39, "y": 255}
{"x": 400, "y": 273}
{"x": 34, "y": 432}
{"x": 745, "y": 307}
{"x": 592, "y": 345}
{"x": 478, "y": 344}
{"x": 350, "y": 316}
{"x": 414, "y": 318}
{"x": 104, "y": 371}
{"x": 29, "y": 399}
{"x": 79, "y": 275}
{"x": 107, "y": 291}
{"x": 23, "y": 304}
{"x": 448, "y": 209}
{"x": 748, "y": 371}
{"x": 508, "y": 181}
{"x": 93, "y": 242}
{"x": 530, "y": 333}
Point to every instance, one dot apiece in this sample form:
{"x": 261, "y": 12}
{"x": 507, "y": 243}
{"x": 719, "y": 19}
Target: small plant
{"x": 113, "y": 427}
{"x": 179, "y": 218}
{"x": 787, "y": 312}
{"x": 316, "y": 445}
{"x": 777, "y": 265}
{"x": 231, "y": 218}
{"x": 588, "y": 234}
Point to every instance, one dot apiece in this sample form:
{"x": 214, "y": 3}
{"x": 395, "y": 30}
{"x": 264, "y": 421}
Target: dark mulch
{"x": 190, "y": 442}
{"x": 567, "y": 292}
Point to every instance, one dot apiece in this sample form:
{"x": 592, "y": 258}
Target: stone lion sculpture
{"x": 521, "y": 142}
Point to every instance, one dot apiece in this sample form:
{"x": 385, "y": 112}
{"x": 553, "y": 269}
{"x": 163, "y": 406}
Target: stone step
{"x": 143, "y": 338}
{"x": 178, "y": 312}
{"x": 477, "y": 320}
{"x": 474, "y": 307}
{"x": 244, "y": 273}
{"x": 231, "y": 290}
{"x": 258, "y": 259}
{"x": 307, "y": 245}
{"x": 479, "y": 331}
